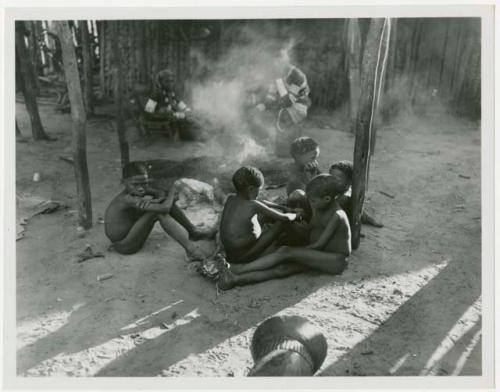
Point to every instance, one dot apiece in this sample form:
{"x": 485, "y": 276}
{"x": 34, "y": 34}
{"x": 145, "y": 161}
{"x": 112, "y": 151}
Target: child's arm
{"x": 163, "y": 207}
{"x": 327, "y": 233}
{"x": 276, "y": 206}
{"x": 261, "y": 208}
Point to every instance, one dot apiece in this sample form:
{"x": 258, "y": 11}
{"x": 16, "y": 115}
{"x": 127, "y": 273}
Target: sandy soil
{"x": 408, "y": 303}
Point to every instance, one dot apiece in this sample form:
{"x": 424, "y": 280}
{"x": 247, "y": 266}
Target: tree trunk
{"x": 363, "y": 126}
{"x": 118, "y": 92}
{"x": 79, "y": 119}
{"x": 87, "y": 69}
{"x": 19, "y": 135}
{"x": 34, "y": 55}
{"x": 23, "y": 66}
{"x": 353, "y": 71}
{"x": 380, "y": 80}
{"x": 101, "y": 42}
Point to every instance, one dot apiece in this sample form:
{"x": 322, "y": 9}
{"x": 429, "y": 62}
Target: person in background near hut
{"x": 328, "y": 249}
{"x": 287, "y": 99}
{"x": 342, "y": 171}
{"x": 163, "y": 104}
{"x": 131, "y": 215}
{"x": 241, "y": 234}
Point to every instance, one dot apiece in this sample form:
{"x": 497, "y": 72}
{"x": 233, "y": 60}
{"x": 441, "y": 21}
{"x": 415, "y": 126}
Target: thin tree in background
{"x": 118, "y": 92}
{"x": 364, "y": 124}
{"x": 25, "y": 79}
{"x": 87, "y": 68}
{"x": 353, "y": 58}
{"x": 79, "y": 119}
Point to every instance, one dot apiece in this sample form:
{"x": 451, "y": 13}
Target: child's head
{"x": 304, "y": 150}
{"x": 322, "y": 189}
{"x": 135, "y": 178}
{"x": 247, "y": 181}
{"x": 342, "y": 171}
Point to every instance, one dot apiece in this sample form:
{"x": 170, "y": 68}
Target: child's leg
{"x": 332, "y": 263}
{"x": 229, "y": 280}
{"x": 194, "y": 232}
{"x": 137, "y": 235}
{"x": 178, "y": 233}
{"x": 262, "y": 244}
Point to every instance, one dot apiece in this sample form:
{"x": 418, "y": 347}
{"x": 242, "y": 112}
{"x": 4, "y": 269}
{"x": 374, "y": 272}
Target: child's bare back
{"x": 240, "y": 231}
{"x": 239, "y": 227}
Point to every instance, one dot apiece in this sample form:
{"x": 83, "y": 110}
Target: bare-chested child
{"x": 240, "y": 231}
{"x": 131, "y": 215}
{"x": 328, "y": 249}
{"x": 342, "y": 171}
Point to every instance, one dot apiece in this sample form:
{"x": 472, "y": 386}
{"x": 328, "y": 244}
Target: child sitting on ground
{"x": 305, "y": 153}
{"x": 131, "y": 215}
{"x": 342, "y": 171}
{"x": 240, "y": 231}
{"x": 328, "y": 249}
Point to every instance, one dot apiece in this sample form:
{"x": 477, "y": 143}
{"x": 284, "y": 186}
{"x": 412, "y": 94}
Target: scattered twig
{"x": 387, "y": 194}
{"x": 66, "y": 159}
{"x": 100, "y": 278}
{"x": 464, "y": 176}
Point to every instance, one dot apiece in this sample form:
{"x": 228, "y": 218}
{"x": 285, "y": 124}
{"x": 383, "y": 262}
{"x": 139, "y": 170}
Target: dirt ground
{"x": 408, "y": 304}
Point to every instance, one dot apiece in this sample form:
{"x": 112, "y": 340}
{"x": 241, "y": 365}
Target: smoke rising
{"x": 222, "y": 95}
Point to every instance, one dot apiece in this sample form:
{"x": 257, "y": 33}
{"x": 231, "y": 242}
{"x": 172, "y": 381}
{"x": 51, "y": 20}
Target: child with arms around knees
{"x": 329, "y": 242}
{"x": 240, "y": 231}
{"x": 131, "y": 215}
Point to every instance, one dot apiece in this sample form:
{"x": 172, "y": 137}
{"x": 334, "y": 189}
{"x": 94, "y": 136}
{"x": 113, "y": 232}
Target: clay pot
{"x": 287, "y": 346}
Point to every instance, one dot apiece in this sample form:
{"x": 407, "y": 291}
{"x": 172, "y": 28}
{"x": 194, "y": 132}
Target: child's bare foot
{"x": 200, "y": 233}
{"x": 368, "y": 220}
{"x": 226, "y": 280}
{"x": 195, "y": 254}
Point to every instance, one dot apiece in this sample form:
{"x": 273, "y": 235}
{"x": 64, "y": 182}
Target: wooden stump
{"x": 79, "y": 141}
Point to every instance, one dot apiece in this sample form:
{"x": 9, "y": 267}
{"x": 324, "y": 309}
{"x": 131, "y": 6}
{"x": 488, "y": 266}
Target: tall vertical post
{"x": 364, "y": 122}
{"x": 24, "y": 73}
{"x": 79, "y": 118}
{"x": 118, "y": 92}
{"x": 353, "y": 60}
{"x": 87, "y": 68}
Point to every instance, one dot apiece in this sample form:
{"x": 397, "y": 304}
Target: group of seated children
{"x": 261, "y": 240}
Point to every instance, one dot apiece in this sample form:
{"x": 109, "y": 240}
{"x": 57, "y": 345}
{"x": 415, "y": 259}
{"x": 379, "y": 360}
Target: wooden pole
{"x": 118, "y": 92}
{"x": 34, "y": 55}
{"x": 87, "y": 68}
{"x": 23, "y": 66}
{"x": 363, "y": 126}
{"x": 353, "y": 72}
{"x": 100, "y": 42}
{"x": 79, "y": 141}
{"x": 380, "y": 80}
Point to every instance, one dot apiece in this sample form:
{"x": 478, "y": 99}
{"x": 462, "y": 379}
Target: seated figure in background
{"x": 164, "y": 105}
{"x": 278, "y": 111}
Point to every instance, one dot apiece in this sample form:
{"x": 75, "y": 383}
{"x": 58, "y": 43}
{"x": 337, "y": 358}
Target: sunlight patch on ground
{"x": 146, "y": 319}
{"x": 31, "y": 330}
{"x": 346, "y": 311}
{"x": 469, "y": 319}
{"x": 88, "y": 362}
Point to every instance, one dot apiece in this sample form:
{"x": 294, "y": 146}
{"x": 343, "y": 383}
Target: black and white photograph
{"x": 240, "y": 197}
